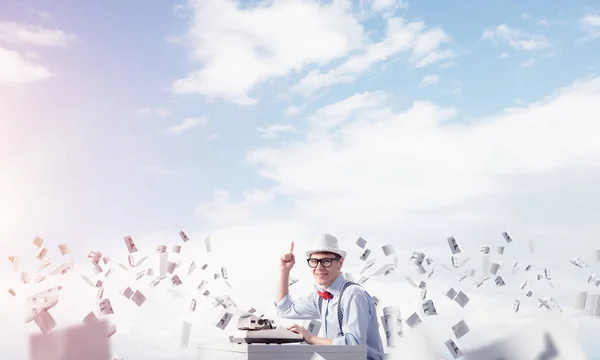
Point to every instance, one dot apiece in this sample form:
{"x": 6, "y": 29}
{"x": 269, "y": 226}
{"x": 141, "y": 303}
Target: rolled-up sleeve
{"x": 304, "y": 308}
{"x": 356, "y": 321}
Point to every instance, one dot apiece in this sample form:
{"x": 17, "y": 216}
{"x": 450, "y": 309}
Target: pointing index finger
{"x": 292, "y": 248}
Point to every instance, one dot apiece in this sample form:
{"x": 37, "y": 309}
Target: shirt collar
{"x": 337, "y": 284}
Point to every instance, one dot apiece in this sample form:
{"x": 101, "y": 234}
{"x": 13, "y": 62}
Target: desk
{"x": 229, "y": 351}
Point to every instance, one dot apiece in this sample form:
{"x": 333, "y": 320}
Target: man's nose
{"x": 320, "y": 265}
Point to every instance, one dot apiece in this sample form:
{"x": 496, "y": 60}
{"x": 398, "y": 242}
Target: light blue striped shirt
{"x": 360, "y": 324}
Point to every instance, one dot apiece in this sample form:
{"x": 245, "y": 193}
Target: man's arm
{"x": 315, "y": 340}
{"x": 356, "y": 320}
{"x": 283, "y": 288}
{"x": 304, "y": 308}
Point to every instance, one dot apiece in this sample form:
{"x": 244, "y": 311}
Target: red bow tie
{"x": 325, "y": 295}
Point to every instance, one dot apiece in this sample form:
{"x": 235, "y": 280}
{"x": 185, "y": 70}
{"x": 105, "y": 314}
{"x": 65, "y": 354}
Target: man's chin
{"x": 321, "y": 281}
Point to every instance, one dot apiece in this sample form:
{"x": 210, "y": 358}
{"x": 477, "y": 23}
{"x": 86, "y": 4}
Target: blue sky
{"x": 494, "y": 131}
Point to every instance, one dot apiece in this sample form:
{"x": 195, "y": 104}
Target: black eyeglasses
{"x": 326, "y": 262}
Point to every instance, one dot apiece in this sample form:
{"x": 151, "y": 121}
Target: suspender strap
{"x": 340, "y": 309}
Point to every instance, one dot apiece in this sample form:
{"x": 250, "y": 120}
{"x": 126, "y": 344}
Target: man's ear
{"x": 341, "y": 261}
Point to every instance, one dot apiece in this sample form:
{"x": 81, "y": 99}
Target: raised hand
{"x": 287, "y": 261}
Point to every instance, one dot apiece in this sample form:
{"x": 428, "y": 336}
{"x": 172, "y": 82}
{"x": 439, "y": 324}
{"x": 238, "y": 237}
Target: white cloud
{"x": 16, "y": 70}
{"x": 528, "y": 63}
{"x": 534, "y": 60}
{"x": 221, "y": 210}
{"x": 158, "y": 111}
{"x": 590, "y": 24}
{"x": 186, "y": 125}
{"x": 503, "y": 56}
{"x": 544, "y": 21}
{"x": 429, "y": 80}
{"x": 518, "y": 39}
{"x": 274, "y": 40}
{"x": 13, "y": 33}
{"x": 401, "y": 36}
{"x": 272, "y": 131}
{"x": 291, "y": 110}
{"x": 447, "y": 65}
{"x": 423, "y": 149}
{"x": 385, "y": 8}
{"x": 455, "y": 89}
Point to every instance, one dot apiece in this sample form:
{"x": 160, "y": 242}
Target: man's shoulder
{"x": 355, "y": 289}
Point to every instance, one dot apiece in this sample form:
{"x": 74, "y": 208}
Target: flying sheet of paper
{"x": 361, "y": 242}
{"x": 37, "y": 241}
{"x": 548, "y": 337}
{"x": 171, "y": 267}
{"x": 62, "y": 269}
{"x": 90, "y": 318}
{"x": 127, "y": 292}
{"x": 207, "y": 245}
{"x": 224, "y": 273}
{"x": 162, "y": 264}
{"x": 175, "y": 280}
{"x": 82, "y": 341}
{"x": 516, "y": 306}
{"x": 292, "y": 280}
{"x": 130, "y": 244}
{"x": 45, "y": 321}
{"x": 184, "y": 236}
{"x": 42, "y": 254}
{"x": 64, "y": 249}
{"x": 392, "y": 324}
{"x": 223, "y": 320}
{"x": 454, "y": 248}
{"x": 417, "y": 258}
{"x": 138, "y": 298}
{"x": 429, "y": 308}
{"x": 460, "y": 329}
{"x": 451, "y": 294}
{"x": 25, "y": 278}
{"x": 105, "y": 307}
{"x": 384, "y": 270}
{"x": 461, "y": 299}
{"x": 453, "y": 348}
{"x": 388, "y": 250}
{"x": 507, "y": 237}
{"x": 363, "y": 280}
{"x": 413, "y": 321}
{"x": 365, "y": 254}
{"x": 485, "y": 265}
{"x": 186, "y": 331}
{"x": 367, "y": 266}
{"x": 41, "y": 301}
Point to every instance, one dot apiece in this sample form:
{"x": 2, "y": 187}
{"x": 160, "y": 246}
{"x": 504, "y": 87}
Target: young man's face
{"x": 327, "y": 269}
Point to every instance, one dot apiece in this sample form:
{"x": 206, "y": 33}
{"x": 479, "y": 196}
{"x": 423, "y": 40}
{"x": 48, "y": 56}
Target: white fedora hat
{"x": 326, "y": 243}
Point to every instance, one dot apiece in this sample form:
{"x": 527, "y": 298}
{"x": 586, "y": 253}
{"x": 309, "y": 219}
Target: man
{"x": 347, "y": 311}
